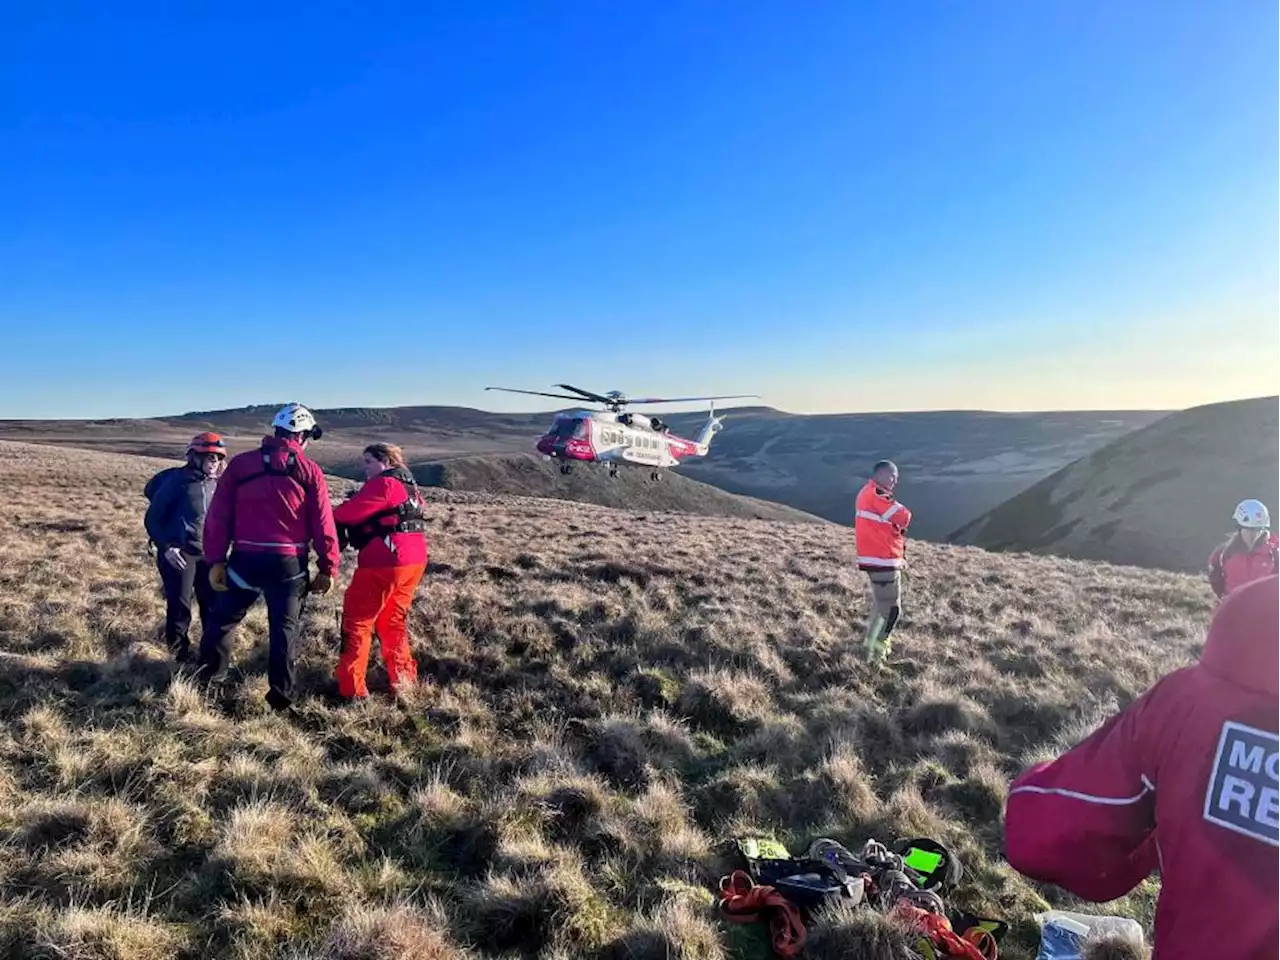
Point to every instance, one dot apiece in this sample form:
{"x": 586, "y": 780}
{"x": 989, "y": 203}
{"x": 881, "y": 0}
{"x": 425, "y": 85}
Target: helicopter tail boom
{"x": 708, "y": 431}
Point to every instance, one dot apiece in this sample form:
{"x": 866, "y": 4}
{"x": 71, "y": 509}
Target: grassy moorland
{"x": 608, "y": 697}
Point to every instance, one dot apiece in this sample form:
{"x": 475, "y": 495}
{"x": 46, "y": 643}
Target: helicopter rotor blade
{"x": 535, "y": 393}
{"x": 598, "y": 398}
{"x": 733, "y": 396}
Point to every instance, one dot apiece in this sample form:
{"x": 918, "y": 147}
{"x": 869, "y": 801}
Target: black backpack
{"x": 159, "y": 480}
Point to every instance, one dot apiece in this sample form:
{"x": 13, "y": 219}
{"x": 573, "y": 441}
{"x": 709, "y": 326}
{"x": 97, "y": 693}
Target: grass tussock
{"x": 607, "y": 698}
{"x": 400, "y": 931}
{"x": 840, "y": 933}
{"x": 1113, "y": 948}
{"x": 108, "y": 933}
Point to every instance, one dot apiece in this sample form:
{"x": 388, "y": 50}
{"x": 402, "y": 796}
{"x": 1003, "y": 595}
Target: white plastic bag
{"x": 1064, "y": 934}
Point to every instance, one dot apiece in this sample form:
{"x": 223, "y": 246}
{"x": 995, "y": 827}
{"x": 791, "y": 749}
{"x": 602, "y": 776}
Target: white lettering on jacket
{"x": 1243, "y": 794}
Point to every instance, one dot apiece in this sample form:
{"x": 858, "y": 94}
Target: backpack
{"x": 807, "y": 882}
{"x": 159, "y": 480}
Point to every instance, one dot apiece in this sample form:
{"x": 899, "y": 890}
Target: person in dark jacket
{"x": 174, "y": 520}
{"x": 271, "y": 507}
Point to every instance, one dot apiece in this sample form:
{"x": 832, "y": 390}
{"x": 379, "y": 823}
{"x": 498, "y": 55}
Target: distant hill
{"x": 1160, "y": 497}
{"x": 530, "y": 476}
{"x": 955, "y": 465}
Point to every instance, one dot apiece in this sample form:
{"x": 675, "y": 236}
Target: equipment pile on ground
{"x": 906, "y": 882}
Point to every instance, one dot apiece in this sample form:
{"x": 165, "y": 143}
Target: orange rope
{"x": 976, "y": 944}
{"x": 744, "y": 902}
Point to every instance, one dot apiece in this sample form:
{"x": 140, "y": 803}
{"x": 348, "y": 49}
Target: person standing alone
{"x": 384, "y": 522}
{"x": 271, "y": 507}
{"x": 880, "y": 535}
{"x": 179, "y": 499}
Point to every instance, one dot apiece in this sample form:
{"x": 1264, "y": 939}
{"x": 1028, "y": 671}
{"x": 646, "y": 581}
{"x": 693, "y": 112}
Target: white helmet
{"x": 1252, "y": 515}
{"x": 295, "y": 418}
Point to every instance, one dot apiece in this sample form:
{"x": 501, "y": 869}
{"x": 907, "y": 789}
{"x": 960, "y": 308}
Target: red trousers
{"x": 378, "y": 599}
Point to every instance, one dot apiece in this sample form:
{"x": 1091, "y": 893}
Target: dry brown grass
{"x": 607, "y": 698}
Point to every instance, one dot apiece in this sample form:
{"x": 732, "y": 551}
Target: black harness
{"x": 290, "y": 469}
{"x": 409, "y": 517}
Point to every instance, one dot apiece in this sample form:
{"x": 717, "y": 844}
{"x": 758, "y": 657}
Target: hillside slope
{"x": 1160, "y": 497}
{"x": 955, "y": 464}
{"x": 607, "y": 697}
{"x": 532, "y": 476}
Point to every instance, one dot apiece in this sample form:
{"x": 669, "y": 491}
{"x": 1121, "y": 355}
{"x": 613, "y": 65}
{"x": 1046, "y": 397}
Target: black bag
{"x": 156, "y": 482}
{"x": 931, "y": 865}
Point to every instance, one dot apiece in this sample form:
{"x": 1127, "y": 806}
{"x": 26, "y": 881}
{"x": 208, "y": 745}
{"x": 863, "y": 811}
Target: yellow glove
{"x": 322, "y": 584}
{"x": 218, "y": 577}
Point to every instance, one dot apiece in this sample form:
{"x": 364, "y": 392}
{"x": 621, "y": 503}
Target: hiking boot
{"x": 278, "y": 702}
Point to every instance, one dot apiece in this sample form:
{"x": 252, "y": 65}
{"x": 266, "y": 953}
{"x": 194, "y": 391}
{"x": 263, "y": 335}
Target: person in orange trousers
{"x": 384, "y": 521}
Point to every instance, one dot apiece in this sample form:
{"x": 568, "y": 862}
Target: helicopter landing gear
{"x": 566, "y": 469}
{"x": 655, "y": 476}
{"x": 613, "y": 471}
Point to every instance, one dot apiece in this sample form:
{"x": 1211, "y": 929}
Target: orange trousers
{"x": 377, "y": 600}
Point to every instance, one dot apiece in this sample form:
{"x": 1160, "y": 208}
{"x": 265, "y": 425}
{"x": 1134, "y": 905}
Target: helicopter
{"x": 614, "y": 436}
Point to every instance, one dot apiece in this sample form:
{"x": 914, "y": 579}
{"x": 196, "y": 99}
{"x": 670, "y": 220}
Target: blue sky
{"x": 840, "y": 206}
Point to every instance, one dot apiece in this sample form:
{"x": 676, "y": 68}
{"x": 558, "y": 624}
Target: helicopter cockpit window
{"x": 568, "y": 429}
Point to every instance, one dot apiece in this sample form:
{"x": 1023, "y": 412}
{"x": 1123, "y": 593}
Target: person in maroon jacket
{"x": 384, "y": 522}
{"x": 1251, "y": 553}
{"x": 1185, "y": 781}
{"x": 271, "y": 507}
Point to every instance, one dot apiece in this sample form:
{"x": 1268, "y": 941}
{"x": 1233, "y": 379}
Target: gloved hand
{"x": 174, "y": 557}
{"x": 322, "y": 583}
{"x": 218, "y": 577}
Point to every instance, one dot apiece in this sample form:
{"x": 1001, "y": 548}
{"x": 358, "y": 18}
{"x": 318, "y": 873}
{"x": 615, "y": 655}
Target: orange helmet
{"x": 207, "y": 443}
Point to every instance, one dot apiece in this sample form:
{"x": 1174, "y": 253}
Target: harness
{"x": 268, "y": 470}
{"x": 408, "y": 516}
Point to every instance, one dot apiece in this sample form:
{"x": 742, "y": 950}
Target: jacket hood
{"x": 1243, "y": 646}
{"x": 279, "y": 448}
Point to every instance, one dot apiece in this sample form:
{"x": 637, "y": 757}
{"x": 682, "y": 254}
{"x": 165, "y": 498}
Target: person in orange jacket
{"x": 880, "y": 534}
{"x": 384, "y": 521}
{"x": 1251, "y": 553}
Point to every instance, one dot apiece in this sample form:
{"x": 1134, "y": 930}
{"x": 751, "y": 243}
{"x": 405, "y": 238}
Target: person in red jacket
{"x": 1197, "y": 755}
{"x": 384, "y": 522}
{"x": 880, "y": 535}
{"x": 1251, "y": 553}
{"x": 271, "y": 507}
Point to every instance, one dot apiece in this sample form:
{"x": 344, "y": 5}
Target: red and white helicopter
{"x": 612, "y": 436}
